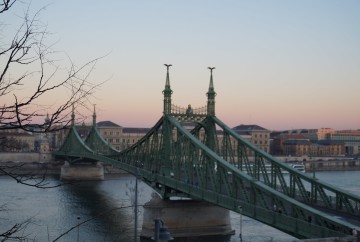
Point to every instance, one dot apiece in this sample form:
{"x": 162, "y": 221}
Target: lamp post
{"x": 313, "y": 165}
{"x": 240, "y": 234}
{"x": 78, "y": 230}
{"x": 161, "y": 233}
{"x": 136, "y": 202}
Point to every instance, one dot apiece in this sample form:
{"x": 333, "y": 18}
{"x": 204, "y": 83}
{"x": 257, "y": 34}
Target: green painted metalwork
{"x": 167, "y": 92}
{"x": 73, "y": 149}
{"x": 211, "y": 95}
{"x": 96, "y": 143}
{"x": 213, "y": 163}
{"x": 293, "y": 183}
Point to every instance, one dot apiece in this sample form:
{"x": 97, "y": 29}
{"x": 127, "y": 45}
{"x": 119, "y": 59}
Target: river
{"x": 104, "y": 208}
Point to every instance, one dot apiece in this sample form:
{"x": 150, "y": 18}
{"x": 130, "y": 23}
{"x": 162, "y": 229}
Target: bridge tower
{"x": 199, "y": 218}
{"x": 82, "y": 170}
{"x": 167, "y": 92}
{"x": 211, "y": 95}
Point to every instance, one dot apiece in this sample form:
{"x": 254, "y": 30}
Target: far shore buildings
{"x": 297, "y": 142}
{"x": 120, "y": 137}
{"x": 257, "y": 135}
{"x": 316, "y": 142}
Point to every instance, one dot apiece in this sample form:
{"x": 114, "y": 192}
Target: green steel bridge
{"x": 213, "y": 163}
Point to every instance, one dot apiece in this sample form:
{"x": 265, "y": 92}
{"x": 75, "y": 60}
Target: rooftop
{"x": 107, "y": 124}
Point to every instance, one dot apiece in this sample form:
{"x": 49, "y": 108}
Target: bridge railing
{"x": 189, "y": 110}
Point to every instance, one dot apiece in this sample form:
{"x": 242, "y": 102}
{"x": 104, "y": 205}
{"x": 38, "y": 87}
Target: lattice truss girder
{"x": 97, "y": 144}
{"x": 176, "y": 162}
{"x": 261, "y": 166}
{"x": 191, "y": 168}
{"x": 73, "y": 145}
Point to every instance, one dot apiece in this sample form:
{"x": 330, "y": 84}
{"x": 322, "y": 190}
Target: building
{"x": 278, "y": 139}
{"x": 350, "y": 138}
{"x": 301, "y": 147}
{"x": 17, "y": 140}
{"x": 255, "y": 134}
{"x": 297, "y": 147}
{"x": 312, "y": 142}
{"x": 120, "y": 137}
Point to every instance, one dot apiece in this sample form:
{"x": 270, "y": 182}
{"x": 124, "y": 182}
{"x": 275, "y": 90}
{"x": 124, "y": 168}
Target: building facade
{"x": 120, "y": 137}
{"x": 312, "y": 142}
{"x": 255, "y": 134}
{"x": 350, "y": 138}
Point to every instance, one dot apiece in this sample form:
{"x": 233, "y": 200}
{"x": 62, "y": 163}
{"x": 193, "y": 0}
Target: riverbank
{"x": 323, "y": 163}
{"x": 49, "y": 167}
{"x": 34, "y": 163}
{"x": 332, "y": 165}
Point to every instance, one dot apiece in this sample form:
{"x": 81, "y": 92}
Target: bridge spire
{"x": 94, "y": 117}
{"x": 211, "y": 95}
{"x": 73, "y": 116}
{"x": 167, "y": 92}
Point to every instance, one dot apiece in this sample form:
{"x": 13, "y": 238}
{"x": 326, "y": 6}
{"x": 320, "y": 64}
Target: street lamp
{"x": 161, "y": 232}
{"x": 240, "y": 235}
{"x": 136, "y": 201}
{"x": 78, "y": 230}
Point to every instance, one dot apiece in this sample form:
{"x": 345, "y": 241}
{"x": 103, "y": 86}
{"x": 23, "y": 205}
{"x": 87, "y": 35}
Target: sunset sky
{"x": 279, "y": 64}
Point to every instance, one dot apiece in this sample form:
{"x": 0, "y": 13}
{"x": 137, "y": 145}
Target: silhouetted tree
{"x": 28, "y": 62}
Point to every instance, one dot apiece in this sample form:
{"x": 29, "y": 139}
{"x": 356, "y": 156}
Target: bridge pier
{"x": 82, "y": 171}
{"x": 186, "y": 218}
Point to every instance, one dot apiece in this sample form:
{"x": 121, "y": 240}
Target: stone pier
{"x": 186, "y": 218}
{"x": 82, "y": 171}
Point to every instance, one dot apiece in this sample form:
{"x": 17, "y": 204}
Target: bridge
{"x": 213, "y": 163}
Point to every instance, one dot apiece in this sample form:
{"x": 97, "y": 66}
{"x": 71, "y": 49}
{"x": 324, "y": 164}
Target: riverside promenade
{"x": 323, "y": 163}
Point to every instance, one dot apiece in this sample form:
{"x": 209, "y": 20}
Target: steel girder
{"x": 74, "y": 149}
{"x": 176, "y": 162}
{"x": 180, "y": 164}
{"x": 96, "y": 143}
{"x": 293, "y": 183}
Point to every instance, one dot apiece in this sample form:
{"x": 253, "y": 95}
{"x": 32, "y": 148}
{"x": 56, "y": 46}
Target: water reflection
{"x": 110, "y": 218}
{"x": 216, "y": 238}
{"x": 107, "y": 218}
{"x": 107, "y": 208}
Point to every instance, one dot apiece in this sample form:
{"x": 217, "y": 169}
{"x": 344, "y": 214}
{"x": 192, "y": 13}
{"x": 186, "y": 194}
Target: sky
{"x": 279, "y": 64}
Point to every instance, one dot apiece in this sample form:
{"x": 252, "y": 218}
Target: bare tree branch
{"x": 31, "y": 179}
{"x": 6, "y": 5}
{"x": 16, "y": 232}
{"x": 28, "y": 48}
{"x": 31, "y": 72}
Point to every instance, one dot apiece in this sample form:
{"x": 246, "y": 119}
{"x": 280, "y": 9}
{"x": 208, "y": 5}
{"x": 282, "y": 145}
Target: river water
{"x": 104, "y": 208}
